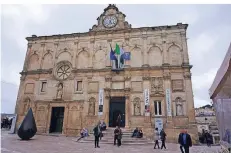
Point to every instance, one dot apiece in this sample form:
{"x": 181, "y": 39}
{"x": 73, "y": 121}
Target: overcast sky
{"x": 209, "y": 34}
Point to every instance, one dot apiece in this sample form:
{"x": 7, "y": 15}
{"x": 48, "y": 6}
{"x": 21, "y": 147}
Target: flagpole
{"x": 118, "y": 61}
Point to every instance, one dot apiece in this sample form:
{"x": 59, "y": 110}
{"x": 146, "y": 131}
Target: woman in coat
{"x": 156, "y": 138}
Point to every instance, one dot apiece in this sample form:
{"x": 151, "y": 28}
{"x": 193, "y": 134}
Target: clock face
{"x": 110, "y": 21}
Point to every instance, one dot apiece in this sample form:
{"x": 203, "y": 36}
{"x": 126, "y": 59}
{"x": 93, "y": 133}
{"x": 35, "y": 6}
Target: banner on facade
{"x": 146, "y": 102}
{"x": 100, "y": 112}
{"x": 13, "y": 125}
{"x": 159, "y": 123}
{"x": 168, "y": 102}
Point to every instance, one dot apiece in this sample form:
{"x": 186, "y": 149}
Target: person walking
{"x": 185, "y": 141}
{"x": 97, "y": 133}
{"x": 118, "y": 120}
{"x": 116, "y": 133}
{"x": 163, "y": 138}
{"x": 119, "y": 137}
{"x": 208, "y": 138}
{"x": 156, "y": 138}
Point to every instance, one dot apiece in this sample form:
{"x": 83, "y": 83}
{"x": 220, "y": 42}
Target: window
{"x": 44, "y": 86}
{"x": 157, "y": 106}
{"x": 79, "y": 86}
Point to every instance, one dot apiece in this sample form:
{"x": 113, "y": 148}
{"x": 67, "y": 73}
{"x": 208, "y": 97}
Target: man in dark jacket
{"x": 116, "y": 133}
{"x": 185, "y": 141}
{"x": 163, "y": 138}
{"x": 97, "y": 133}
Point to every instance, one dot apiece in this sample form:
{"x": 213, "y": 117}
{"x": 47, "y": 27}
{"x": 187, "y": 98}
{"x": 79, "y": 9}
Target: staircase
{"x": 108, "y": 138}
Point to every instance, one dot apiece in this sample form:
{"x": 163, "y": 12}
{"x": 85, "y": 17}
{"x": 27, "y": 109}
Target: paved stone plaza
{"x": 52, "y": 144}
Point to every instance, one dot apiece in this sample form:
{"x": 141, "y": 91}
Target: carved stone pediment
{"x": 157, "y": 86}
{"x": 111, "y": 12}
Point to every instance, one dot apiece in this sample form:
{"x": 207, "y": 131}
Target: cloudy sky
{"x": 209, "y": 36}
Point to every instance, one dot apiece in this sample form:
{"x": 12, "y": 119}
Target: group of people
{"x": 159, "y": 135}
{"x": 138, "y": 133}
{"x": 6, "y": 122}
{"x": 184, "y": 140}
{"x": 206, "y": 137}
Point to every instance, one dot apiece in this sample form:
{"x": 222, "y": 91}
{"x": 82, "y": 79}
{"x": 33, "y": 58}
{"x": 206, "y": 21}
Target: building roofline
{"x": 93, "y": 33}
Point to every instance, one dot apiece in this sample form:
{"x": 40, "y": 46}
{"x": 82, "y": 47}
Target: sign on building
{"x": 100, "y": 112}
{"x": 159, "y": 123}
{"x": 147, "y": 102}
{"x": 168, "y": 102}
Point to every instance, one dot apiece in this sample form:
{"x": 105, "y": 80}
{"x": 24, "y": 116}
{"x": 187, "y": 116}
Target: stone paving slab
{"x": 51, "y": 144}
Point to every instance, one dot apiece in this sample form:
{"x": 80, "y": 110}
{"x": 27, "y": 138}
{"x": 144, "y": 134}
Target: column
{"x": 92, "y": 42}
{"x": 106, "y": 109}
{"x": 189, "y": 97}
{"x": 184, "y": 47}
{"x": 145, "y": 57}
{"x": 127, "y": 111}
{"x": 40, "y": 54}
{"x": 65, "y": 120}
{"x": 27, "y": 57}
{"x": 164, "y": 47}
{"x": 75, "y": 54}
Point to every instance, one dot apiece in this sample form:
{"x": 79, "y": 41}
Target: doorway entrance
{"x": 57, "y": 115}
{"x": 117, "y": 106}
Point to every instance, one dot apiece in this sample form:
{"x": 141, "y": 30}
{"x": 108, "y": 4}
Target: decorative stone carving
{"x": 179, "y": 107}
{"x": 167, "y": 75}
{"x": 108, "y": 78}
{"x": 157, "y": 85}
{"x": 177, "y": 85}
{"x": 127, "y": 77}
{"x": 137, "y": 106}
{"x": 91, "y": 110}
{"x": 187, "y": 75}
{"x": 146, "y": 78}
{"x": 63, "y": 70}
{"x": 59, "y": 91}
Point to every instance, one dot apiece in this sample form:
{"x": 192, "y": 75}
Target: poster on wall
{"x": 146, "y": 102}
{"x": 13, "y": 125}
{"x": 168, "y": 102}
{"x": 100, "y": 112}
{"x": 159, "y": 123}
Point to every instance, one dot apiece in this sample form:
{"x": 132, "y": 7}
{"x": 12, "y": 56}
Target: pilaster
{"x": 184, "y": 47}
{"x": 127, "y": 111}
{"x": 189, "y": 97}
{"x": 145, "y": 55}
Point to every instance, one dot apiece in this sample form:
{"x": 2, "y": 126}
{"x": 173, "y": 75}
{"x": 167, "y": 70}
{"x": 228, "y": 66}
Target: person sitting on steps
{"x": 135, "y": 132}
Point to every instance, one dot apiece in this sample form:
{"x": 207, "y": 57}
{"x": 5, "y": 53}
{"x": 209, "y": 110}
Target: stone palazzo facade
{"x": 67, "y": 71}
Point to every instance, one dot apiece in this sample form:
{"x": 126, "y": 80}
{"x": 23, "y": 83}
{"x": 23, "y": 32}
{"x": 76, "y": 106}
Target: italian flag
{"x": 120, "y": 53}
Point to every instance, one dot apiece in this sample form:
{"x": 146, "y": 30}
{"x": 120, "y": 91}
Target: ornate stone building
{"x": 64, "y": 74}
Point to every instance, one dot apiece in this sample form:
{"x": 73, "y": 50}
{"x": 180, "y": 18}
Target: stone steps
{"x": 108, "y": 138}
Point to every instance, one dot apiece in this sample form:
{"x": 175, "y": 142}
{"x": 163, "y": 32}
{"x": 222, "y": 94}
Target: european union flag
{"x": 112, "y": 55}
{"x": 127, "y": 56}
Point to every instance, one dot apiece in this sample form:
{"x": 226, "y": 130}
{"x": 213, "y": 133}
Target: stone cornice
{"x": 91, "y": 70}
{"x": 39, "y": 71}
{"x": 116, "y": 31}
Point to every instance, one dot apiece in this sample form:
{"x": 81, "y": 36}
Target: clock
{"x": 110, "y": 21}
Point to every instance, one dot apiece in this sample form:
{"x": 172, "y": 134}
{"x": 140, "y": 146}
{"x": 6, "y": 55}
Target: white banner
{"x": 146, "y": 102}
{"x": 100, "y": 112}
{"x": 159, "y": 124}
{"x": 13, "y": 125}
{"x": 168, "y": 102}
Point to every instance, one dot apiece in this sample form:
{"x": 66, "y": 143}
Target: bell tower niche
{"x": 111, "y": 19}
